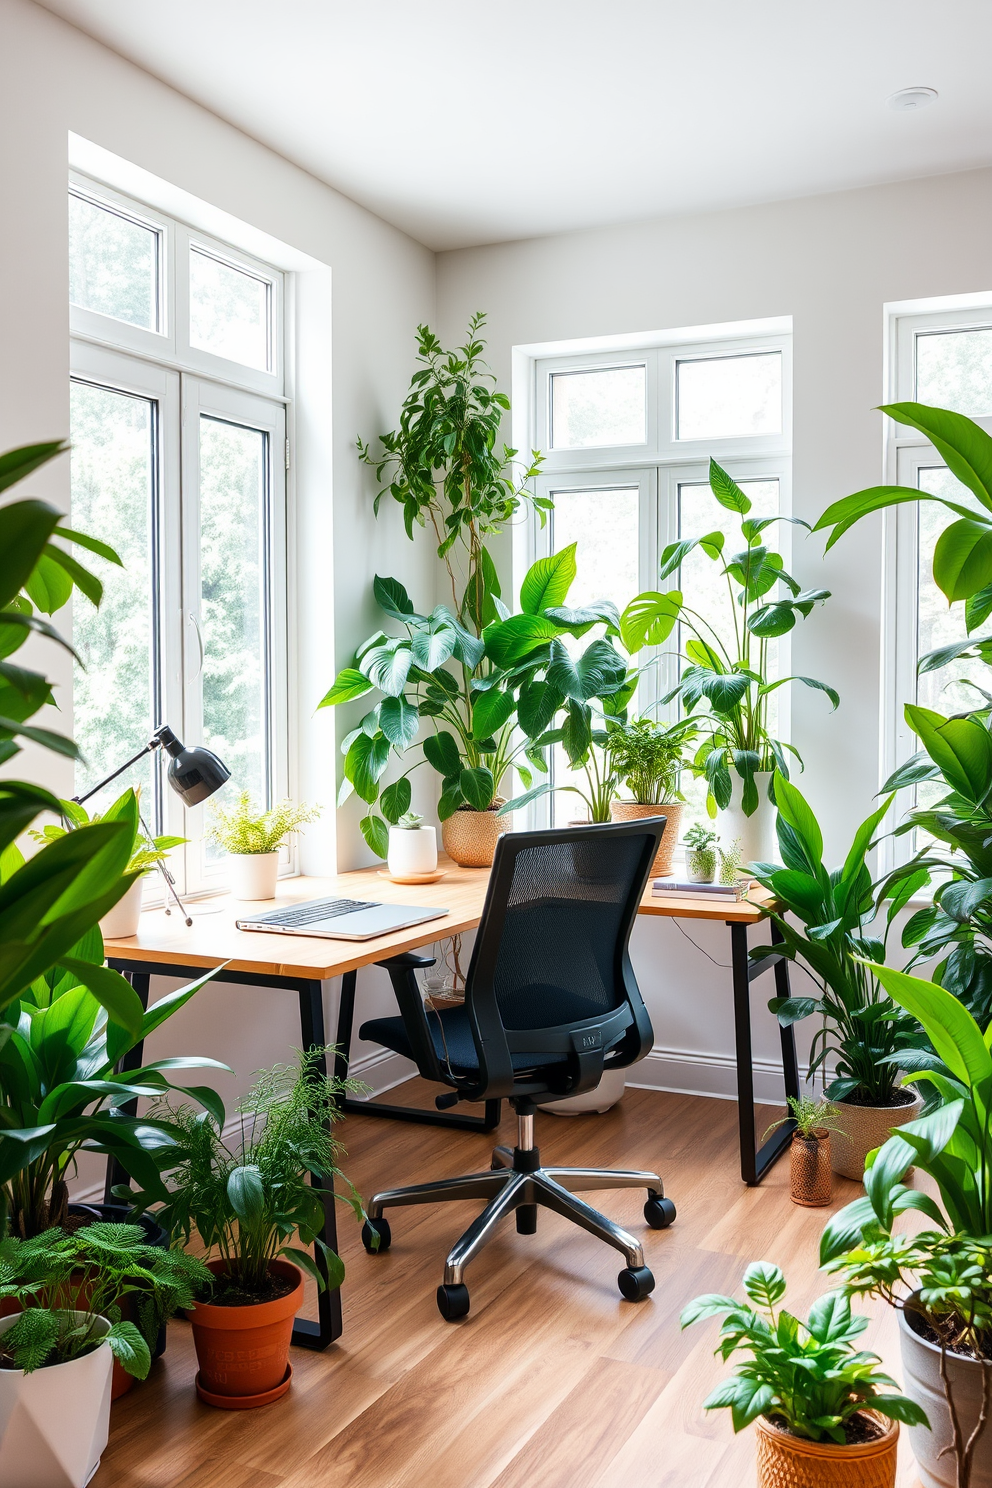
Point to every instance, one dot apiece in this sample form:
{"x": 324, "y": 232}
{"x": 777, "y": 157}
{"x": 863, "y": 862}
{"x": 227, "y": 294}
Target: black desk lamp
{"x": 194, "y": 774}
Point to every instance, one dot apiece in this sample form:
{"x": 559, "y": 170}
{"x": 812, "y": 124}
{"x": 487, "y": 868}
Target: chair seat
{"x": 457, "y": 1048}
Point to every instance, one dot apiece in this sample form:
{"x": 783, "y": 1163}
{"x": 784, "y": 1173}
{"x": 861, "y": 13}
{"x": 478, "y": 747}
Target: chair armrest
{"x": 401, "y": 971}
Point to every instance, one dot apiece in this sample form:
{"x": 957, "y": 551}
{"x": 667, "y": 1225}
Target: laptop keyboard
{"x": 318, "y": 909}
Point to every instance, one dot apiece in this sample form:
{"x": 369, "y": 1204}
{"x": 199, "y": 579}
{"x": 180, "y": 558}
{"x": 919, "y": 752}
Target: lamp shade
{"x": 195, "y": 773}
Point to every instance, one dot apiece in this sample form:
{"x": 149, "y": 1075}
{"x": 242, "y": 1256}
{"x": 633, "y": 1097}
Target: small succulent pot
{"x": 700, "y": 864}
{"x": 243, "y": 1352}
{"x": 412, "y": 850}
{"x": 253, "y": 875}
{"x": 809, "y": 1169}
{"x": 121, "y": 921}
{"x": 787, "y": 1461}
{"x": 470, "y": 837}
{"x": 672, "y": 812}
{"x": 860, "y": 1129}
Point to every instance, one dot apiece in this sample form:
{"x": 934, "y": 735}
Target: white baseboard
{"x": 689, "y": 1072}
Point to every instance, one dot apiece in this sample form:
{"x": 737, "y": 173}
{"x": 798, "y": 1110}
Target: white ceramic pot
{"x": 253, "y": 875}
{"x": 921, "y": 1380}
{"x": 606, "y": 1094}
{"x": 756, "y": 834}
{"x": 123, "y": 919}
{"x": 54, "y": 1422}
{"x": 412, "y": 850}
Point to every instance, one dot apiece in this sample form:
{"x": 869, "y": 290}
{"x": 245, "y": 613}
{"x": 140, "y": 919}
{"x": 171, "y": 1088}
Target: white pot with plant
{"x": 701, "y": 855}
{"x": 648, "y": 758}
{"x": 252, "y": 839}
{"x": 412, "y": 847}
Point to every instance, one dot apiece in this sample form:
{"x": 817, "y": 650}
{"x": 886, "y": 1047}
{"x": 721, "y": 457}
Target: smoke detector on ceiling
{"x": 911, "y": 98}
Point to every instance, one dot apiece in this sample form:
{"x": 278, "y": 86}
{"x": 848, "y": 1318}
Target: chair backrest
{"x": 550, "y": 973}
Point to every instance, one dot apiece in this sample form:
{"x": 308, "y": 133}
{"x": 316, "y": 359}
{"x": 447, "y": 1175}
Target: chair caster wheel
{"x": 376, "y": 1236}
{"x": 452, "y": 1302}
{"x": 659, "y": 1213}
{"x": 636, "y": 1283}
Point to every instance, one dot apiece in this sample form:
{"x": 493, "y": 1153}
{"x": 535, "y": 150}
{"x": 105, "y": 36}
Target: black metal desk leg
{"x": 790, "y": 1061}
{"x": 308, "y": 1334}
{"x": 346, "y": 1023}
{"x": 742, "y": 1038}
{"x": 116, "y": 1174}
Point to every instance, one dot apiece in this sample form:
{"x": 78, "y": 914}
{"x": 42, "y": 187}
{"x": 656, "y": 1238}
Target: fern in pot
{"x": 648, "y": 758}
{"x": 252, "y": 839}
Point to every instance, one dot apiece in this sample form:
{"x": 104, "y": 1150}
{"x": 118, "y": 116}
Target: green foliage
{"x": 146, "y": 852}
{"x": 824, "y": 920}
{"x": 723, "y": 681}
{"x": 249, "y": 1202}
{"x": 810, "y": 1375}
{"x": 246, "y": 829}
{"x": 810, "y": 1115}
{"x": 648, "y": 757}
{"x": 700, "y": 838}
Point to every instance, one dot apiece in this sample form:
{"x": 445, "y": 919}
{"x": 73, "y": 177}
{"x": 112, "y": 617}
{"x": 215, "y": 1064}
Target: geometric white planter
{"x": 412, "y": 850}
{"x": 122, "y": 920}
{"x": 601, "y": 1098}
{"x": 756, "y": 834}
{"x": 54, "y": 1422}
{"x": 253, "y": 875}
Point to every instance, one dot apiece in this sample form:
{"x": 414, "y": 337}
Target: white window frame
{"x": 906, "y": 453}
{"x": 184, "y": 383}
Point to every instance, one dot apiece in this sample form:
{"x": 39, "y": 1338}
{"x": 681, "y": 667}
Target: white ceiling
{"x": 467, "y": 122}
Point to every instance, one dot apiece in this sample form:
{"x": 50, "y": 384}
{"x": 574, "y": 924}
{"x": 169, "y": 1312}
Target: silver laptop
{"x": 340, "y": 919}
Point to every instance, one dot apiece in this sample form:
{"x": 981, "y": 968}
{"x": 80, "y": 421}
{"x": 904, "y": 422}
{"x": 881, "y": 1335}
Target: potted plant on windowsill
{"x": 247, "y": 1203}
{"x": 825, "y": 1413}
{"x": 724, "y": 682}
{"x": 648, "y": 758}
{"x": 252, "y": 839}
{"x": 824, "y": 920}
{"x": 939, "y": 1278}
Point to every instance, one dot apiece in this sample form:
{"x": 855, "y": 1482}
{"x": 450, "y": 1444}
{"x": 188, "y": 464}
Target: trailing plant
{"x": 445, "y": 466}
{"x": 809, "y": 1376}
{"x": 247, "y": 1203}
{"x": 146, "y": 852}
{"x": 248, "y": 830}
{"x": 724, "y": 681}
{"x": 824, "y": 918}
{"x": 950, "y": 1265}
{"x": 91, "y": 1271}
{"x": 731, "y": 861}
{"x": 648, "y": 756}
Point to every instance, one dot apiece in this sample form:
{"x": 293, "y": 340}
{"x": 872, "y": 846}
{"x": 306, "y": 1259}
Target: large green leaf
{"x": 952, "y": 1030}
{"x": 477, "y": 787}
{"x": 112, "y": 991}
{"x": 509, "y": 640}
{"x": 841, "y": 515}
{"x": 548, "y": 581}
{"x": 962, "y": 559}
{"x": 395, "y": 800}
{"x": 441, "y": 752}
{"x": 963, "y": 445}
{"x": 727, "y": 491}
{"x": 349, "y": 683}
{"x": 399, "y": 721}
{"x": 490, "y": 711}
{"x": 793, "y": 807}
{"x": 973, "y": 646}
{"x": 365, "y": 764}
{"x": 962, "y": 747}
{"x": 537, "y": 705}
{"x": 376, "y": 834}
{"x": 25, "y": 527}
{"x": 387, "y": 666}
{"x": 18, "y": 463}
{"x": 432, "y": 641}
{"x": 598, "y": 671}
{"x": 649, "y": 619}
{"x": 391, "y": 596}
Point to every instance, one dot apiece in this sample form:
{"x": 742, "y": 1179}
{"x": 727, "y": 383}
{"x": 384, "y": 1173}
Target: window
{"x": 179, "y": 461}
{"x": 944, "y": 359}
{"x": 628, "y": 438}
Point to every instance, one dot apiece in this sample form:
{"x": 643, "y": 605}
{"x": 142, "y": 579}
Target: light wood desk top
{"x": 212, "y": 939}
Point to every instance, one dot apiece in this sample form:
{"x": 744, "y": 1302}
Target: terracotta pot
{"x": 786, "y": 1461}
{"x": 860, "y": 1129}
{"x": 809, "y": 1170}
{"x": 470, "y": 837}
{"x": 243, "y": 1352}
{"x": 672, "y": 812}
{"x": 935, "y": 1460}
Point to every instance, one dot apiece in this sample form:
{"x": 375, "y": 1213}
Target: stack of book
{"x": 716, "y": 893}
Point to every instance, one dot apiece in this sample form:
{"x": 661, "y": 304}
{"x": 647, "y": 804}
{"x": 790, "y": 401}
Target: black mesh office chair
{"x": 550, "y": 1002}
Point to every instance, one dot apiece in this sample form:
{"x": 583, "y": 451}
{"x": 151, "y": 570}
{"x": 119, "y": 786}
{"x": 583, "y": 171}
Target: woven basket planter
{"x": 860, "y": 1129}
{"x": 672, "y": 811}
{"x": 809, "y": 1170}
{"x": 786, "y": 1461}
{"x": 470, "y": 837}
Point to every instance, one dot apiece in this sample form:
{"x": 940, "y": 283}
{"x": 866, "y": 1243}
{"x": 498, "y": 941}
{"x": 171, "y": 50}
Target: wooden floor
{"x": 553, "y": 1379}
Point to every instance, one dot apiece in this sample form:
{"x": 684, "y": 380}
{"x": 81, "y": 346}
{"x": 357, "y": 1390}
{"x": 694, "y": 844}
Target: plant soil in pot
{"x": 932, "y": 1449}
{"x": 789, "y": 1461}
{"x": 470, "y": 837}
{"x": 55, "y": 1421}
{"x": 860, "y": 1129}
{"x": 242, "y": 1347}
{"x": 672, "y": 812}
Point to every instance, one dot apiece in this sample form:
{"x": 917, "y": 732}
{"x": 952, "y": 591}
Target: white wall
{"x": 832, "y": 263}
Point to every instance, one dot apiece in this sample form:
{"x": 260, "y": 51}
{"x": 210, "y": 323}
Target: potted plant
{"x": 252, "y": 838}
{"x": 412, "y": 848}
{"x": 939, "y": 1278}
{"x": 146, "y": 852}
{"x": 825, "y": 1413}
{"x": 648, "y": 757}
{"x": 57, "y": 1356}
{"x": 701, "y": 858}
{"x": 824, "y": 919}
{"x": 726, "y": 672}
{"x": 246, "y": 1204}
{"x": 809, "y": 1155}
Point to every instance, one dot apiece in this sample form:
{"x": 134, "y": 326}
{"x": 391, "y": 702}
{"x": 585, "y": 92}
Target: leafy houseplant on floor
{"x": 648, "y": 758}
{"x": 252, "y": 838}
{"x": 247, "y": 1205}
{"x": 826, "y": 1414}
{"x": 862, "y": 1029}
{"x": 940, "y": 1278}
{"x": 728, "y": 671}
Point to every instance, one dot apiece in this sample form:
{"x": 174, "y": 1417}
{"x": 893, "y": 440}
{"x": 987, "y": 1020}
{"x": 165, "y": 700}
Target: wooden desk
{"x": 166, "y": 946}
